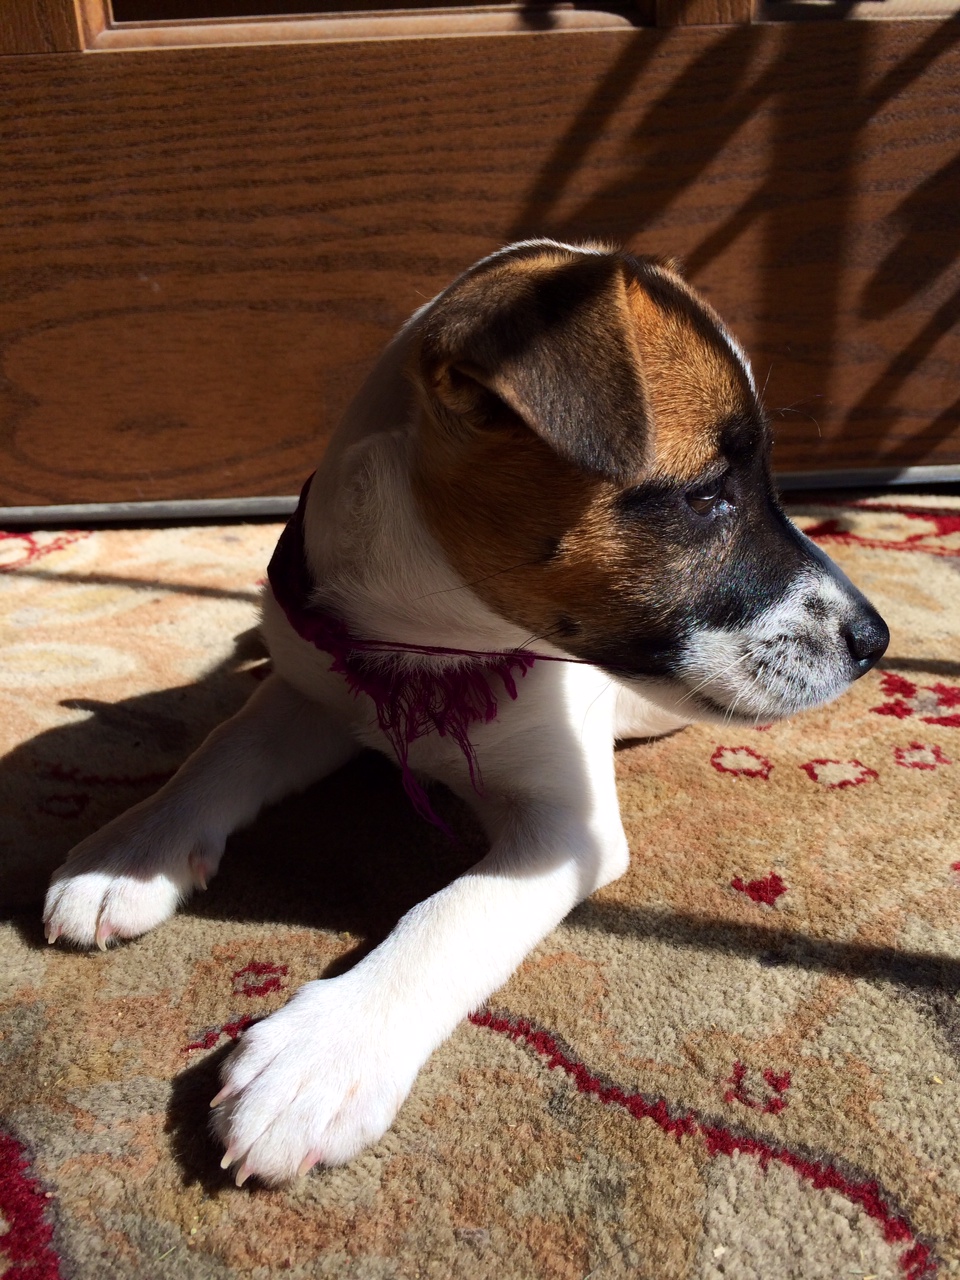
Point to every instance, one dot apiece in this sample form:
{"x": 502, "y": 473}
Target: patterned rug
{"x": 742, "y": 1060}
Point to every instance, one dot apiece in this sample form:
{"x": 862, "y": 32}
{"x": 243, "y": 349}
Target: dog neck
{"x": 411, "y": 699}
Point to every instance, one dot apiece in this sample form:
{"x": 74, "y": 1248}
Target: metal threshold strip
{"x": 868, "y": 477}
{"x": 185, "y": 511}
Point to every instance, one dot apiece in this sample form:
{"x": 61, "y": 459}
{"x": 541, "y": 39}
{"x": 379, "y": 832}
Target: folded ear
{"x": 543, "y": 330}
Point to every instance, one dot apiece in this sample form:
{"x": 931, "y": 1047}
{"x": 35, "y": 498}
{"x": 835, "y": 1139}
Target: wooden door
{"x": 209, "y": 227}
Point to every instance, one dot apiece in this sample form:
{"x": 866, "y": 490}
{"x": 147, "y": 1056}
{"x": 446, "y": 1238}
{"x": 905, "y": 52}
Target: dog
{"x": 546, "y": 523}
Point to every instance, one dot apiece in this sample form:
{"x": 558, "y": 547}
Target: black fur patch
{"x": 718, "y": 571}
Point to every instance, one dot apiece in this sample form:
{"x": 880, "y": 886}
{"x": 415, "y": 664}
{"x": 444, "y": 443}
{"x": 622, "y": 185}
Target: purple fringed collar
{"x": 411, "y": 701}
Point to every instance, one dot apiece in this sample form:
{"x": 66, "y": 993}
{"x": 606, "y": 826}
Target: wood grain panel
{"x": 51, "y": 26}
{"x": 703, "y": 13}
{"x": 39, "y": 26}
{"x": 202, "y": 250}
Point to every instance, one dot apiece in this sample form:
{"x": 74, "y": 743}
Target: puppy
{"x": 546, "y": 522}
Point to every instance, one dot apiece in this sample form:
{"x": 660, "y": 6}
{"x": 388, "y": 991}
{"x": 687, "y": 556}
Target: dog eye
{"x": 704, "y": 499}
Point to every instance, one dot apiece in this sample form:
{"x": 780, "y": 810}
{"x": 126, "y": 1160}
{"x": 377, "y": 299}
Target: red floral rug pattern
{"x": 742, "y": 1060}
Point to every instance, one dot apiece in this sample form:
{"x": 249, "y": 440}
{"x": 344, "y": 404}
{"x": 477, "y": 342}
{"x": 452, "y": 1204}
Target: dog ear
{"x": 667, "y": 261}
{"x": 546, "y": 334}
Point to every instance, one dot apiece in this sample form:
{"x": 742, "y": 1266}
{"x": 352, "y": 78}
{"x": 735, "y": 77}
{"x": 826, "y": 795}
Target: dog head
{"x": 593, "y": 458}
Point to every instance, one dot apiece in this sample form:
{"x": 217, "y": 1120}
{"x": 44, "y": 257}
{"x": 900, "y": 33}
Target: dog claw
{"x": 198, "y": 871}
{"x": 243, "y": 1173}
{"x": 103, "y": 935}
{"x": 228, "y": 1158}
{"x": 222, "y": 1096}
{"x": 52, "y": 932}
{"x": 307, "y": 1164}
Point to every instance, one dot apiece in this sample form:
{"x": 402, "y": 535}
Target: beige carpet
{"x": 739, "y": 1061}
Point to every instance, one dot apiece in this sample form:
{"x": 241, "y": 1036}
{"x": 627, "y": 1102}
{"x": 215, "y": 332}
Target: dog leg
{"x": 325, "y": 1076}
{"x": 133, "y": 873}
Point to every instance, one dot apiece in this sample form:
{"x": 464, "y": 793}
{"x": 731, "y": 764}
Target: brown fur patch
{"x": 520, "y": 524}
{"x": 693, "y": 384}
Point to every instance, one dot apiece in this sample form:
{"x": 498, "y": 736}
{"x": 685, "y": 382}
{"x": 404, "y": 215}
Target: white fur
{"x": 790, "y": 657}
{"x": 325, "y": 1076}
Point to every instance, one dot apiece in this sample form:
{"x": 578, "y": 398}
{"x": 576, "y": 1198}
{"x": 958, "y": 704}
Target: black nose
{"x": 867, "y": 638}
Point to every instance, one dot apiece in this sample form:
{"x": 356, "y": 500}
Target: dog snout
{"x": 867, "y": 637}
{"x": 862, "y": 629}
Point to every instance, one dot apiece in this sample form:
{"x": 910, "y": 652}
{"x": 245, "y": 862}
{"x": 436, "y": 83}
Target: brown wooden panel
{"x": 51, "y": 26}
{"x": 39, "y": 26}
{"x": 702, "y": 13}
{"x": 202, "y": 250}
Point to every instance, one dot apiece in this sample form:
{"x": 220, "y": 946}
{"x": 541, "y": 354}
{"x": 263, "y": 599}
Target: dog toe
{"x": 316, "y": 1082}
{"x": 92, "y": 908}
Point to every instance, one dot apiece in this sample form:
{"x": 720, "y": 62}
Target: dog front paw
{"x": 315, "y": 1083}
{"x": 125, "y": 879}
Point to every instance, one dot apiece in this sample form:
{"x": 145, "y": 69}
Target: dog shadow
{"x": 349, "y": 853}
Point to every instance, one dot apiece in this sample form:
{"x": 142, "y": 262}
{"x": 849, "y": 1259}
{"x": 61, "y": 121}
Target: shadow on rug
{"x": 739, "y": 1061}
